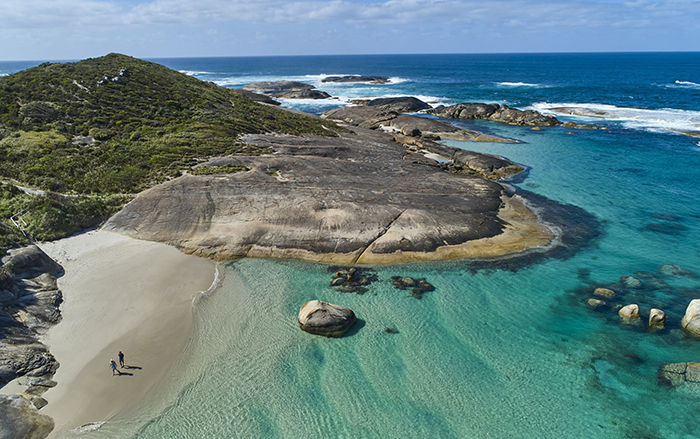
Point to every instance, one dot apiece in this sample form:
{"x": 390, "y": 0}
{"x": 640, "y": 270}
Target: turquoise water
{"x": 508, "y": 352}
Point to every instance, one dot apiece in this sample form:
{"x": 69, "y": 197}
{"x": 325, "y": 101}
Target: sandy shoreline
{"x": 119, "y": 294}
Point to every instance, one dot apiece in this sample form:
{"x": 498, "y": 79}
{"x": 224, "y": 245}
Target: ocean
{"x": 496, "y": 350}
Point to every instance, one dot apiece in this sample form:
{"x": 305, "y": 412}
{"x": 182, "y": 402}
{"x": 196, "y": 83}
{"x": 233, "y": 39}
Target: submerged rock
{"x": 322, "y": 318}
{"x": 630, "y": 282}
{"x": 604, "y": 292}
{"x": 691, "y": 320}
{"x": 675, "y": 374}
{"x": 676, "y": 270}
{"x": 595, "y": 303}
{"x": 353, "y": 279}
{"x": 418, "y": 286}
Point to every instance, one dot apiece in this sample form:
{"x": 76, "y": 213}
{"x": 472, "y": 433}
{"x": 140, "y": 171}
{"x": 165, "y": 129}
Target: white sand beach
{"x": 119, "y": 294}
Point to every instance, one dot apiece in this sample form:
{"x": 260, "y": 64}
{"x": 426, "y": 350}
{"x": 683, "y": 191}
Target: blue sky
{"x": 74, "y": 29}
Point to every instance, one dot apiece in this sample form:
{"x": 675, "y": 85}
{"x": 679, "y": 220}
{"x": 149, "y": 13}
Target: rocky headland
{"x": 358, "y": 198}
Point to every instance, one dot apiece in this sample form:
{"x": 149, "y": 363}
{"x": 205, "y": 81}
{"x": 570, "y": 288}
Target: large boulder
{"x": 630, "y": 313}
{"x": 323, "y": 318}
{"x": 657, "y": 318}
{"x": 691, "y": 320}
{"x": 30, "y": 261}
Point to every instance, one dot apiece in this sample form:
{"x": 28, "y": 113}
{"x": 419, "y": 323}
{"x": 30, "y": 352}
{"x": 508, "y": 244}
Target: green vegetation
{"x": 225, "y": 169}
{"x": 51, "y": 216}
{"x": 117, "y": 125}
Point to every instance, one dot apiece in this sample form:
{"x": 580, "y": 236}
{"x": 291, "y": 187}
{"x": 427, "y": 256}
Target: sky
{"x": 77, "y": 29}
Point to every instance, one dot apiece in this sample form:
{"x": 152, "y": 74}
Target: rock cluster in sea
{"x": 418, "y": 287}
{"x": 647, "y": 302}
{"x": 352, "y": 279}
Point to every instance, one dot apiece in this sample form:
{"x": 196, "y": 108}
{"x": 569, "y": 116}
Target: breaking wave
{"x": 659, "y": 120}
{"x": 518, "y": 84}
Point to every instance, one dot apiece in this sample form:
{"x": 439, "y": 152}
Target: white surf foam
{"x": 688, "y": 83}
{"x": 659, "y": 120}
{"x": 194, "y": 72}
{"x": 518, "y": 84}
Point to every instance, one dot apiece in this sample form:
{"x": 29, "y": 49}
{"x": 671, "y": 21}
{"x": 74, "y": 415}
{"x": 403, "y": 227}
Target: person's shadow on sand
{"x": 126, "y": 366}
{"x": 120, "y": 373}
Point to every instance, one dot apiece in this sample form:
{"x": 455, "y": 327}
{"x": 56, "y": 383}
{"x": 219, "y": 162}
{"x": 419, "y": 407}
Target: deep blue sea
{"x": 495, "y": 351}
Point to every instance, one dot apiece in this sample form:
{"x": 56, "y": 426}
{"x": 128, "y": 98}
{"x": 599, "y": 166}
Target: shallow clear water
{"x": 491, "y": 352}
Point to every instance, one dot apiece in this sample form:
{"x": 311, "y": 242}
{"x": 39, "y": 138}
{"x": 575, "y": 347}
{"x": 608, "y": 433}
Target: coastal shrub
{"x": 225, "y": 169}
{"x": 51, "y": 216}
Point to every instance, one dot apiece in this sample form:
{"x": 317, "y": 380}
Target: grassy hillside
{"x": 117, "y": 125}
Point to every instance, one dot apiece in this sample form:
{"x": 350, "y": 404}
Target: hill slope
{"x": 117, "y": 125}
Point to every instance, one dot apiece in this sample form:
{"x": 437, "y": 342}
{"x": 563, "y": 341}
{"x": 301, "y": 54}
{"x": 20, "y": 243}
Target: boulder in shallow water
{"x": 322, "y": 318}
{"x": 595, "y": 303}
{"x": 630, "y": 282}
{"x": 629, "y": 313}
{"x": 691, "y": 320}
{"x": 674, "y": 374}
{"x": 676, "y": 270}
{"x": 604, "y": 292}
{"x": 657, "y": 318}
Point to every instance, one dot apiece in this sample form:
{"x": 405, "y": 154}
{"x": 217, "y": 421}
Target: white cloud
{"x": 135, "y": 23}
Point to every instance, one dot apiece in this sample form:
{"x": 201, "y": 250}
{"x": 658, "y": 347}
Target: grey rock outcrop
{"x": 29, "y": 302}
{"x": 19, "y": 419}
{"x": 411, "y": 126}
{"x": 496, "y": 113}
{"x": 286, "y": 89}
{"x": 406, "y": 104}
{"x": 353, "y": 199}
{"x": 351, "y": 78}
{"x": 691, "y": 320}
{"x": 323, "y": 318}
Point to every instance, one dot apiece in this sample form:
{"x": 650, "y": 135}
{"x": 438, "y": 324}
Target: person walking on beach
{"x": 121, "y": 359}
{"x": 113, "y": 365}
